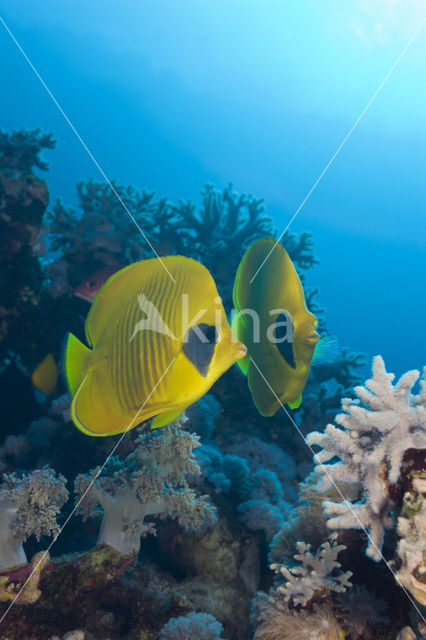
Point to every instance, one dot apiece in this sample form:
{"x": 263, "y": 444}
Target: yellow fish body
{"x": 45, "y": 376}
{"x": 153, "y": 352}
{"x": 277, "y": 372}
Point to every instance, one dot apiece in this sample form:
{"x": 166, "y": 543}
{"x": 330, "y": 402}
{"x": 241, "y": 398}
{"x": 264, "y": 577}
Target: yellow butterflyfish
{"x": 45, "y": 376}
{"x": 156, "y": 345}
{"x": 272, "y": 320}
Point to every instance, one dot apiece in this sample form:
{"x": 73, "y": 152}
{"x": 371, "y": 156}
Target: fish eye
{"x": 199, "y": 345}
{"x": 91, "y": 284}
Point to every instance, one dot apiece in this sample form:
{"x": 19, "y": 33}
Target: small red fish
{"x": 90, "y": 287}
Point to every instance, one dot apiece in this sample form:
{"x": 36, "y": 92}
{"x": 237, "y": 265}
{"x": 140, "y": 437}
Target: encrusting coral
{"x": 316, "y": 574}
{"x": 29, "y": 504}
{"x": 151, "y": 481}
{"x": 370, "y": 442}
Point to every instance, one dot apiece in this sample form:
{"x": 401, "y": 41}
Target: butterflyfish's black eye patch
{"x": 284, "y": 339}
{"x": 199, "y": 345}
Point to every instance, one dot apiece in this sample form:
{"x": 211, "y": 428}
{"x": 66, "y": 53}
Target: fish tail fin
{"x": 75, "y": 362}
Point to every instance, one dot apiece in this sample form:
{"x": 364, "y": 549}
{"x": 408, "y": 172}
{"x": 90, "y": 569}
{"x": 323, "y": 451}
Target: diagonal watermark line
{"x": 84, "y": 145}
{"x": 324, "y": 468}
{"x": 80, "y": 500}
{"x": 345, "y": 139}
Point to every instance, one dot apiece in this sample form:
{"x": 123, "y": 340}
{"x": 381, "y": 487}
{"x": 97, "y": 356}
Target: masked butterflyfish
{"x": 272, "y": 320}
{"x": 158, "y": 339}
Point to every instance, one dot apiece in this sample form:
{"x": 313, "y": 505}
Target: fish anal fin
{"x": 166, "y": 418}
{"x": 91, "y": 413}
{"x": 264, "y": 399}
{"x": 296, "y": 403}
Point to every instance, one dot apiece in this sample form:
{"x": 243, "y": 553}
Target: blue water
{"x": 169, "y": 94}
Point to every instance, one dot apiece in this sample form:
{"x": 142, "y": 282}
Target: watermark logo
{"x": 153, "y": 321}
{"x": 279, "y": 331}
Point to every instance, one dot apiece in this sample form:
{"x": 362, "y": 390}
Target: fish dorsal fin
{"x": 266, "y": 279}
{"x": 249, "y": 264}
{"x": 326, "y": 350}
{"x": 127, "y": 284}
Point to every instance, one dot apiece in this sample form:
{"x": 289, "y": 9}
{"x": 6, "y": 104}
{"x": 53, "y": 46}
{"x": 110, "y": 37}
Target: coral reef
{"x": 252, "y": 468}
{"x": 20, "y": 150}
{"x": 359, "y": 610}
{"x": 200, "y": 626}
{"x": 256, "y": 476}
{"x": 412, "y": 543}
{"x": 23, "y": 200}
{"x": 86, "y": 593}
{"x": 20, "y": 585}
{"x": 315, "y": 575}
{"x": 308, "y": 522}
{"x": 370, "y": 442}
{"x": 203, "y": 416}
{"x": 29, "y": 504}
{"x": 151, "y": 481}
{"x": 275, "y": 621}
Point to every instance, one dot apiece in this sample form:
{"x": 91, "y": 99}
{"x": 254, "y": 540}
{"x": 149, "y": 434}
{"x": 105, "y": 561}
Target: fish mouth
{"x": 82, "y": 296}
{"x": 312, "y": 337}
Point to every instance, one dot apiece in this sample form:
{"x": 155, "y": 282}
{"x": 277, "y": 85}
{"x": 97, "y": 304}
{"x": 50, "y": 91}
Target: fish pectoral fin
{"x": 237, "y": 328}
{"x": 296, "y": 403}
{"x": 166, "y": 418}
{"x": 243, "y": 364}
{"x": 326, "y": 350}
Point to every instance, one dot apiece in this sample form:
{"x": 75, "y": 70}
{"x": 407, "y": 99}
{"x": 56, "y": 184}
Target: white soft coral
{"x": 371, "y": 439}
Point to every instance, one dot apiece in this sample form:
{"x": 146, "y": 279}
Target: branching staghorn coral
{"x": 151, "y": 481}
{"x": 316, "y": 575}
{"x": 371, "y": 439}
{"x": 29, "y": 504}
{"x": 20, "y": 149}
{"x": 100, "y": 233}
